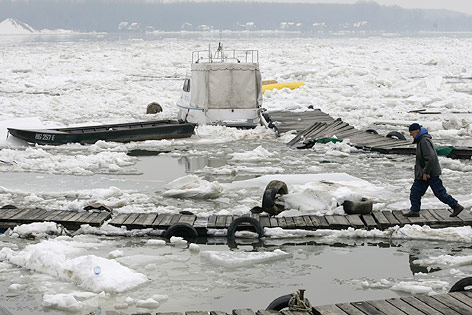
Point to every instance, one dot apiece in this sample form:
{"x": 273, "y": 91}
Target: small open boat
{"x": 136, "y": 131}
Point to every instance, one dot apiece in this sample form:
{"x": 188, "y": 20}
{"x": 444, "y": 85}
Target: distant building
{"x": 129, "y": 27}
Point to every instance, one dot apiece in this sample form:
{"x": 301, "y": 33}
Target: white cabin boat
{"x": 225, "y": 88}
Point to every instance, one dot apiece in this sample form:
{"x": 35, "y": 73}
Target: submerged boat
{"x": 225, "y": 88}
{"x": 136, "y": 131}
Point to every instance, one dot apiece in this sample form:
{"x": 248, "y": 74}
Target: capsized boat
{"x": 135, "y": 131}
{"x": 224, "y": 88}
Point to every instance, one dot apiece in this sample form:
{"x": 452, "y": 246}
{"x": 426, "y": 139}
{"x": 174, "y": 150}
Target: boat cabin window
{"x": 187, "y": 85}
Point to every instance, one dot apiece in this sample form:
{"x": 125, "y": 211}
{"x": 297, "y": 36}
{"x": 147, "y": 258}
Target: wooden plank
{"x": 381, "y": 220}
{"x": 261, "y": 312}
{"x": 131, "y": 218}
{"x": 51, "y": 215}
{"x": 220, "y": 221}
{"x": 119, "y": 219}
{"x": 38, "y": 214}
{"x": 100, "y": 218}
{"x": 288, "y": 312}
{"x": 400, "y": 217}
{"x": 385, "y": 307}
{"x": 439, "y": 306}
{"x": 212, "y": 222}
{"x": 150, "y": 219}
{"x": 421, "y": 306}
{"x": 308, "y": 223}
{"x": 369, "y": 221}
{"x": 452, "y": 303}
{"x": 196, "y": 313}
{"x": 140, "y": 219}
{"x": 290, "y": 223}
{"x": 229, "y": 220}
{"x": 349, "y": 309}
{"x": 75, "y": 216}
{"x": 224, "y": 313}
{"x": 429, "y": 218}
{"x": 61, "y": 215}
{"x": 200, "y": 222}
{"x": 165, "y": 222}
{"x": 175, "y": 218}
{"x": 282, "y": 222}
{"x": 405, "y": 307}
{"x": 91, "y": 217}
{"x": 188, "y": 218}
{"x": 5, "y": 214}
{"x": 158, "y": 220}
{"x": 319, "y": 222}
{"x": 337, "y": 222}
{"x": 165, "y": 313}
{"x": 273, "y": 222}
{"x": 443, "y": 216}
{"x": 245, "y": 311}
{"x": 355, "y": 221}
{"x": 85, "y": 215}
{"x": 299, "y": 222}
{"x": 70, "y": 215}
{"x": 463, "y": 296}
{"x": 367, "y": 308}
{"x": 23, "y": 215}
{"x": 330, "y": 310}
{"x": 391, "y": 218}
{"x": 466, "y": 217}
{"x": 264, "y": 220}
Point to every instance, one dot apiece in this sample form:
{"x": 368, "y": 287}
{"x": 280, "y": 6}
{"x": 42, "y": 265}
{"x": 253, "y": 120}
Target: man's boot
{"x": 457, "y": 209}
{"x": 412, "y": 214}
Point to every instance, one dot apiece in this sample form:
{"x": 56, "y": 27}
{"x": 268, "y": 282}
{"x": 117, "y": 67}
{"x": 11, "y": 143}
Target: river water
{"x": 369, "y": 82}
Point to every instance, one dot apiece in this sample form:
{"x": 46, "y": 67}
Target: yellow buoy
{"x": 279, "y": 86}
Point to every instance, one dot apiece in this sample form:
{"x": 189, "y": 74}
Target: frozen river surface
{"x": 369, "y": 82}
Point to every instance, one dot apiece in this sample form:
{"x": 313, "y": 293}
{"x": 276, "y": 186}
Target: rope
{"x": 299, "y": 304}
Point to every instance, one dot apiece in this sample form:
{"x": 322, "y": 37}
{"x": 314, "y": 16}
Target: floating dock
{"x": 314, "y": 124}
{"x": 448, "y": 304}
{"x": 380, "y": 220}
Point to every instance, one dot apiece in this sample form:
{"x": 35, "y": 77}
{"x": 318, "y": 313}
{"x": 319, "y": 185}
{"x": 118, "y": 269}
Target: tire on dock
{"x": 233, "y": 227}
{"x": 364, "y": 206}
{"x": 273, "y": 191}
{"x": 181, "y": 229}
{"x": 372, "y": 131}
{"x": 462, "y": 285}
{"x": 395, "y": 135}
{"x": 284, "y": 301}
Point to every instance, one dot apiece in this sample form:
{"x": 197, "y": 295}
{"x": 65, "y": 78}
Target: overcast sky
{"x": 464, "y": 6}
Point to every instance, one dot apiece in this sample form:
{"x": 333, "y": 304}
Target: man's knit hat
{"x": 414, "y": 126}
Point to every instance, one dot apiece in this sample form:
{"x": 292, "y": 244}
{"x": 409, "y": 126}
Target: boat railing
{"x": 221, "y": 56}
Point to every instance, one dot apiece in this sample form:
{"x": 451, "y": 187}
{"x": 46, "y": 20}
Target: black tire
{"x": 372, "y": 131}
{"x": 358, "y": 207}
{"x": 153, "y": 108}
{"x": 256, "y": 210}
{"x": 282, "y": 302}
{"x": 461, "y": 284}
{"x": 181, "y": 229}
{"x": 9, "y": 207}
{"x": 236, "y": 223}
{"x": 395, "y": 135}
{"x": 274, "y": 189}
{"x": 279, "y": 303}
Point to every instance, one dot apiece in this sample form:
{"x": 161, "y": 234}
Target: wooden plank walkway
{"x": 314, "y": 124}
{"x": 380, "y": 220}
{"x": 447, "y": 304}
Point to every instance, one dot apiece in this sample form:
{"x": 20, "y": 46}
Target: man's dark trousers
{"x": 419, "y": 187}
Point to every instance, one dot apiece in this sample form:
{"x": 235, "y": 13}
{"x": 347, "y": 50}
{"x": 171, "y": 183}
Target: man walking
{"x": 427, "y": 171}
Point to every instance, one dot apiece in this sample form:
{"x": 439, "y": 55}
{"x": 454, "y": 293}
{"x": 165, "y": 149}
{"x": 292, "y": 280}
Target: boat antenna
{"x": 219, "y": 52}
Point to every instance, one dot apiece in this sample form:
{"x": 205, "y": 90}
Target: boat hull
{"x": 137, "y": 131}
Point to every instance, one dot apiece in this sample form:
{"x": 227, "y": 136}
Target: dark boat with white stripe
{"x": 135, "y": 131}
